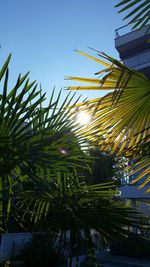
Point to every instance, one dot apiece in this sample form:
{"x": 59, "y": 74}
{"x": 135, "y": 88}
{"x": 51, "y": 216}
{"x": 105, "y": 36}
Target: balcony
{"x": 134, "y": 48}
{"x": 131, "y": 192}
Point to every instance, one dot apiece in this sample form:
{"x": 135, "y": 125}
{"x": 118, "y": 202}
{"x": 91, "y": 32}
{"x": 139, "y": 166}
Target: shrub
{"x": 39, "y": 252}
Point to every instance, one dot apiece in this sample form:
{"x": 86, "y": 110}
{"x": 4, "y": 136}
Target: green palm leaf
{"x": 120, "y": 120}
{"x": 34, "y": 136}
{"x": 68, "y": 206}
{"x": 140, "y": 12}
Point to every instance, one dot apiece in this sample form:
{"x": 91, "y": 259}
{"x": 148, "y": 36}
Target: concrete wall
{"x": 138, "y": 61}
{"x": 131, "y": 192}
{"x": 130, "y": 36}
{"x": 11, "y": 243}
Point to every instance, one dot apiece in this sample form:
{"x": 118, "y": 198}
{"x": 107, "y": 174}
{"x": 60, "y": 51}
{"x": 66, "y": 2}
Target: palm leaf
{"x": 120, "y": 120}
{"x": 140, "y": 12}
{"x": 35, "y": 137}
{"x": 69, "y": 206}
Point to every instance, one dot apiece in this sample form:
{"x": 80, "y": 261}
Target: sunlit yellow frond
{"x": 93, "y": 58}
{"x": 121, "y": 119}
{"x": 141, "y": 175}
{"x": 88, "y": 88}
{"x": 146, "y": 181}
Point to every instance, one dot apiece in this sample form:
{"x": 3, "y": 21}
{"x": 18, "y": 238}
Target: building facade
{"x": 134, "y": 50}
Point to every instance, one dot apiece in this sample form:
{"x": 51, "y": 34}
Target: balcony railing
{"x": 126, "y": 29}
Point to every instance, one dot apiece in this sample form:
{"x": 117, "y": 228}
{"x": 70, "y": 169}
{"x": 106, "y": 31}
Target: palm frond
{"x": 69, "y": 206}
{"x": 120, "y": 120}
{"x": 138, "y": 11}
{"x": 33, "y": 135}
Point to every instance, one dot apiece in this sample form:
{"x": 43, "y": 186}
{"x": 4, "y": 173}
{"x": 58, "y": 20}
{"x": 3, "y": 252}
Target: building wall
{"x": 11, "y": 243}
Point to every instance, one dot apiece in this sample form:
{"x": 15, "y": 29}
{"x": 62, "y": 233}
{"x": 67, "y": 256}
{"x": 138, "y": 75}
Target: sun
{"x": 83, "y": 118}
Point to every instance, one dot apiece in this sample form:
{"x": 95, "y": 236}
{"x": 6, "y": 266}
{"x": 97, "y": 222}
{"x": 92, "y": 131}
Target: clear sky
{"x": 42, "y": 34}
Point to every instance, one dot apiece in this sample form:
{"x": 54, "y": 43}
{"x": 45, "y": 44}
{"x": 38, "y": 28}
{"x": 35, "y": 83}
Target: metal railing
{"x": 126, "y": 29}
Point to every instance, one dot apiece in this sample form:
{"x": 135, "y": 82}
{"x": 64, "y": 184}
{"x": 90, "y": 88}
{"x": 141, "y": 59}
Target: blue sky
{"x": 42, "y": 34}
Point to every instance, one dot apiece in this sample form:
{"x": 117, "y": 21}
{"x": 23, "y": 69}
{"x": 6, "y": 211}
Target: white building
{"x": 134, "y": 51}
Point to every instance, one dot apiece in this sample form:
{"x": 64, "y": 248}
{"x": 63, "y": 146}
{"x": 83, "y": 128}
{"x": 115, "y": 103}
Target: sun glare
{"x": 83, "y": 118}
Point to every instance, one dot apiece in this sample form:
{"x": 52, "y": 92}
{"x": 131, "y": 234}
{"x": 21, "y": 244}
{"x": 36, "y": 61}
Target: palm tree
{"x": 120, "y": 119}
{"x": 69, "y": 209}
{"x": 139, "y": 12}
{"x": 33, "y": 138}
{"x": 103, "y": 167}
{"x": 41, "y": 151}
